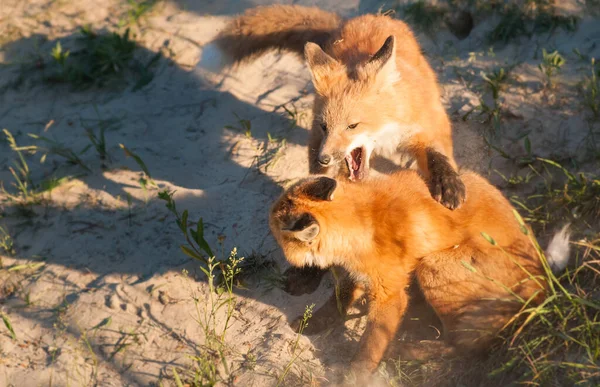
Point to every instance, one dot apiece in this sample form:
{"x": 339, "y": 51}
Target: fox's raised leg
{"x": 386, "y": 310}
{"x": 441, "y": 175}
{"x": 336, "y": 307}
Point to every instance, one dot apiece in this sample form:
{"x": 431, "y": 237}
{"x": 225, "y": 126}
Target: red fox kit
{"x": 375, "y": 91}
{"x": 384, "y": 230}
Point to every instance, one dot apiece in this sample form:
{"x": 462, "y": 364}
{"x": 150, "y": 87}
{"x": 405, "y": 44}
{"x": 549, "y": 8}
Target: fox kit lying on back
{"x": 376, "y": 93}
{"x": 384, "y": 230}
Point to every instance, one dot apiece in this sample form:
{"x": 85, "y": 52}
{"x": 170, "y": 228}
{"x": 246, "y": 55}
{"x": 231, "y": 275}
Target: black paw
{"x": 445, "y": 184}
{"x": 302, "y": 280}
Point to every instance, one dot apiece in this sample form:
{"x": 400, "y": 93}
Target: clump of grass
{"x": 6, "y": 243}
{"x": 574, "y": 197}
{"x": 138, "y": 9}
{"x": 295, "y": 353}
{"x": 102, "y": 59}
{"x": 512, "y": 24}
{"x": 146, "y": 180}
{"x": 590, "y": 87}
{"x": 20, "y": 171}
{"x": 243, "y": 125}
{"x": 210, "y": 365}
{"x": 425, "y": 17}
{"x": 54, "y": 147}
{"x": 494, "y": 82}
{"x": 9, "y": 326}
{"x": 551, "y": 64}
{"x": 562, "y": 331}
{"x": 98, "y": 140}
{"x": 267, "y": 153}
{"x": 535, "y": 18}
{"x": 28, "y": 192}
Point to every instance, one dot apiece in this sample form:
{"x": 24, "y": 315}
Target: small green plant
{"x": 574, "y": 197}
{"x": 244, "y": 126}
{"x": 206, "y": 370}
{"x": 59, "y": 55}
{"x": 8, "y": 326}
{"x": 98, "y": 140}
{"x": 590, "y": 87}
{"x": 495, "y": 81}
{"x": 563, "y": 322}
{"x": 535, "y": 18}
{"x": 144, "y": 181}
{"x": 138, "y": 9}
{"x": 512, "y": 24}
{"x": 54, "y": 147}
{"x": 22, "y": 174}
{"x": 295, "y": 353}
{"x": 102, "y": 59}
{"x": 426, "y": 17}
{"x": 296, "y": 117}
{"x": 551, "y": 64}
{"x": 6, "y": 242}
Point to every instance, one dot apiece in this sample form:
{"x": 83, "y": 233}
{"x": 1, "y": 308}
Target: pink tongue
{"x": 355, "y": 165}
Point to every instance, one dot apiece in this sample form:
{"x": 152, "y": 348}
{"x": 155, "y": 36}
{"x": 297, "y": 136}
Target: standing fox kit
{"x": 375, "y": 92}
{"x": 383, "y": 231}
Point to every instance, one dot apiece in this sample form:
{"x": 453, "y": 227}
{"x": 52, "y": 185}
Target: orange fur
{"x": 384, "y": 230}
{"x": 392, "y": 94}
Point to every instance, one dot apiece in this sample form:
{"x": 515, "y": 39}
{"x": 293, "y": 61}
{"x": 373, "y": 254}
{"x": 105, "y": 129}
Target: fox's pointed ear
{"x": 321, "y": 188}
{"x": 305, "y": 228}
{"x": 383, "y": 63}
{"x": 320, "y": 64}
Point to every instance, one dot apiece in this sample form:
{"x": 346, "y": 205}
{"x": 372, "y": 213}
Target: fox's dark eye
{"x": 324, "y": 126}
{"x": 353, "y": 126}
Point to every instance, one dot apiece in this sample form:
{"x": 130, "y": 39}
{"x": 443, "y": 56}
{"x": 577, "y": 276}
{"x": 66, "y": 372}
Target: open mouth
{"x": 357, "y": 163}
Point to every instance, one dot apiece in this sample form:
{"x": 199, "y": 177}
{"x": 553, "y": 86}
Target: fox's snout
{"x": 331, "y": 150}
{"x": 325, "y": 159}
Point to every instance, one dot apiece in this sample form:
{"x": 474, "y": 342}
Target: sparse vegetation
{"x": 563, "y": 196}
{"x": 98, "y": 140}
{"x": 424, "y": 16}
{"x": 229, "y": 323}
{"x": 494, "y": 83}
{"x": 295, "y": 353}
{"x": 591, "y": 90}
{"x": 551, "y": 64}
{"x": 536, "y": 17}
{"x": 102, "y": 60}
{"x": 8, "y": 326}
{"x": 6, "y": 243}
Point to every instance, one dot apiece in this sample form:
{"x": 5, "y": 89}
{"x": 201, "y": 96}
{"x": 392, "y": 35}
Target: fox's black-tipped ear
{"x": 385, "y": 52}
{"x": 305, "y": 228}
{"x": 383, "y": 62}
{"x": 321, "y": 188}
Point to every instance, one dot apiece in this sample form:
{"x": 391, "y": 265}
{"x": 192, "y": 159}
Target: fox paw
{"x": 445, "y": 184}
{"x": 302, "y": 280}
{"x": 448, "y": 189}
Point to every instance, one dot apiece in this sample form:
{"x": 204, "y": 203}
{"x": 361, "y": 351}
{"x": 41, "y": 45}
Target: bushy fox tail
{"x": 283, "y": 27}
{"x": 558, "y": 250}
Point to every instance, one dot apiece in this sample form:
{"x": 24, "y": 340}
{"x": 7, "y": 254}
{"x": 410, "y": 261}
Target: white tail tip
{"x": 212, "y": 58}
{"x": 559, "y": 249}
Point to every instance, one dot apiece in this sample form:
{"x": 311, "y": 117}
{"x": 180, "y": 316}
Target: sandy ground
{"x": 109, "y": 304}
